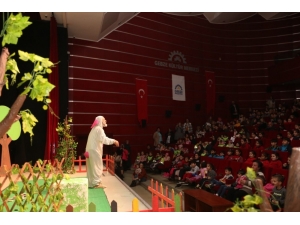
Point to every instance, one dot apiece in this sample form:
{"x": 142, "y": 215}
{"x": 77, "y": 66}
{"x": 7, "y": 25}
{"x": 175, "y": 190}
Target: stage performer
{"x": 94, "y": 152}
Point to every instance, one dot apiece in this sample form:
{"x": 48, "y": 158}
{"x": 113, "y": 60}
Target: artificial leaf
{"x": 18, "y": 200}
{"x": 12, "y": 66}
{"x": 54, "y": 178}
{"x": 15, "y": 170}
{"x": 34, "y": 208}
{"x": 13, "y": 27}
{"x": 47, "y": 63}
{"x": 41, "y": 88}
{"x": 236, "y": 208}
{"x": 250, "y": 173}
{"x": 23, "y": 55}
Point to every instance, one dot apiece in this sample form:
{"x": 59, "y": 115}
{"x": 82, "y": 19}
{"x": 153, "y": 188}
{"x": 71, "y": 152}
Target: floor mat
{"x": 98, "y": 197}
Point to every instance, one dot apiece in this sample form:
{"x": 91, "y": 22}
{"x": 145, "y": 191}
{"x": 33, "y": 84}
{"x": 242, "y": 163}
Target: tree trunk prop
{"x": 292, "y": 198}
{"x": 3, "y": 60}
{"x": 265, "y": 206}
{"x": 7, "y": 122}
{"x": 5, "y": 158}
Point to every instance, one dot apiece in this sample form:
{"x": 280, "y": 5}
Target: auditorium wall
{"x": 102, "y": 75}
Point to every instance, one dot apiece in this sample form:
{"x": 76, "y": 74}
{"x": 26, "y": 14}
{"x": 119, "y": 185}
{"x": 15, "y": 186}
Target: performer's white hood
{"x": 99, "y": 122}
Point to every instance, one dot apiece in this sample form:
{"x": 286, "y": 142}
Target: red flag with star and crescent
{"x": 142, "y": 99}
{"x": 210, "y": 92}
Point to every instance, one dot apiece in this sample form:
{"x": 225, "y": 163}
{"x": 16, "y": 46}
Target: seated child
{"x": 258, "y": 148}
{"x": 264, "y": 158}
{"x": 204, "y": 153}
{"x": 275, "y": 162}
{"x": 273, "y": 146}
{"x": 252, "y": 157}
{"x": 137, "y": 160}
{"x": 220, "y": 156}
{"x": 278, "y": 193}
{"x": 135, "y": 178}
{"x": 287, "y": 164}
{"x": 236, "y": 185}
{"x": 237, "y": 145}
{"x": 230, "y": 144}
{"x": 286, "y": 147}
{"x": 142, "y": 157}
{"x": 221, "y": 143}
{"x": 238, "y": 157}
{"x": 210, "y": 176}
{"x": 228, "y": 176}
{"x": 212, "y": 153}
{"x": 229, "y": 155}
{"x": 202, "y": 173}
{"x": 269, "y": 187}
{"x": 191, "y": 173}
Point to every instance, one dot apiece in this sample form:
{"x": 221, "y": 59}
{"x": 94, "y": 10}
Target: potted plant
{"x": 66, "y": 146}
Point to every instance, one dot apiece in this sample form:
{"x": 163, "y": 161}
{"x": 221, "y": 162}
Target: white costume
{"x": 94, "y": 147}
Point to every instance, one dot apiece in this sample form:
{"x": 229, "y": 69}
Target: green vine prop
{"x": 67, "y": 146}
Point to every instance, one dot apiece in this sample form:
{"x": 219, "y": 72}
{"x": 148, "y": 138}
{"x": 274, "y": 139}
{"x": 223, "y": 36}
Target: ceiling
{"x": 94, "y": 26}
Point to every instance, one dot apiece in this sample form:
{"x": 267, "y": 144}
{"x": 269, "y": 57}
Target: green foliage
{"x": 36, "y": 85}
{"x": 28, "y": 121}
{"x": 12, "y": 28}
{"x": 250, "y": 201}
{"x": 67, "y": 146}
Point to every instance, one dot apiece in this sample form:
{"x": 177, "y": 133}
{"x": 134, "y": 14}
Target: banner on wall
{"x": 178, "y": 88}
{"x": 142, "y": 100}
{"x": 210, "y": 92}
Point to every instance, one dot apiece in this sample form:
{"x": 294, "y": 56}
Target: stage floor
{"x": 115, "y": 189}
{"x": 119, "y": 191}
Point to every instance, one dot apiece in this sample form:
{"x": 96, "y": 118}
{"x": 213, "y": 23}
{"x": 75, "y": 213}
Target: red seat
{"x": 235, "y": 166}
{"x": 206, "y": 159}
{"x": 222, "y": 164}
{"x": 283, "y": 156}
{"x": 295, "y": 143}
{"x": 268, "y": 173}
{"x": 215, "y": 162}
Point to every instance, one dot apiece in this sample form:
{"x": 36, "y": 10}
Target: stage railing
{"x": 108, "y": 160}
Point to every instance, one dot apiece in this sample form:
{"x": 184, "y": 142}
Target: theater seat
{"x": 235, "y": 166}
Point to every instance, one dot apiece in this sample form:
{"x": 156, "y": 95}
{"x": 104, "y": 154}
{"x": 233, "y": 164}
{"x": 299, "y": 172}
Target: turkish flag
{"x": 141, "y": 99}
{"x": 210, "y": 92}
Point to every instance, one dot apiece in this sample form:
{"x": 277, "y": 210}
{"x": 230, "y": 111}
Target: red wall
{"x": 102, "y": 75}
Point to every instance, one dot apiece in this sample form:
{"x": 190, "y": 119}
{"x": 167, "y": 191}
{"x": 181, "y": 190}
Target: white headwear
{"x": 98, "y": 122}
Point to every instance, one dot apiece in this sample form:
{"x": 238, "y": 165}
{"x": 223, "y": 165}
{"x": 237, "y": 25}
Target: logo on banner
{"x": 178, "y": 90}
{"x": 176, "y": 60}
{"x": 141, "y": 93}
{"x": 177, "y": 56}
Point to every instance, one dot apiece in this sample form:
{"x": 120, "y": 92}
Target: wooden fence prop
{"x": 26, "y": 194}
{"x": 108, "y": 160}
{"x": 161, "y": 202}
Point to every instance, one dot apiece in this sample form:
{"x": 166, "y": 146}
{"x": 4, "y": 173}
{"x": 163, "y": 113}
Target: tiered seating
{"x": 221, "y": 164}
